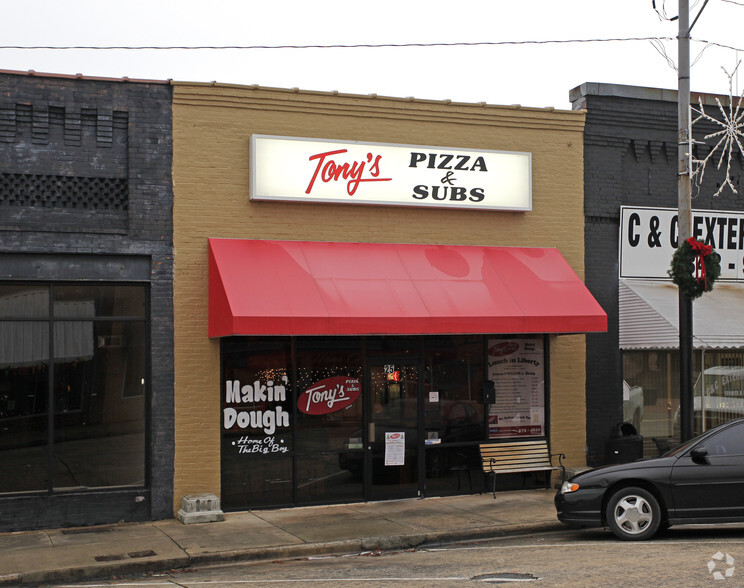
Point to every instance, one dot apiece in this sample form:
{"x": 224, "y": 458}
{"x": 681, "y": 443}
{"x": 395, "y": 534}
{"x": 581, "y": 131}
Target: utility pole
{"x": 684, "y": 216}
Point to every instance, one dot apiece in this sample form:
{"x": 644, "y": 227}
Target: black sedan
{"x": 700, "y": 481}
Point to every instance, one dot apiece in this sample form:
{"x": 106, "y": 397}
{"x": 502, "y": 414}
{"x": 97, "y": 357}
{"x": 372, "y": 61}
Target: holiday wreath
{"x": 695, "y": 267}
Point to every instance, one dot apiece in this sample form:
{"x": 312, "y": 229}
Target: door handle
{"x": 371, "y": 432}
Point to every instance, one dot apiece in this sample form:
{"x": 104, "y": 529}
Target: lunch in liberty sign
{"x": 517, "y": 368}
{"x": 355, "y": 172}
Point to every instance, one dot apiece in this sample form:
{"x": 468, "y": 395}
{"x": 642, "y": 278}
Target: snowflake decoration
{"x": 729, "y": 137}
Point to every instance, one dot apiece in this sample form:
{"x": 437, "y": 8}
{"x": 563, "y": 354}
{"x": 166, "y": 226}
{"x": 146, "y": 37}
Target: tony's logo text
{"x": 329, "y": 395}
{"x": 331, "y": 170}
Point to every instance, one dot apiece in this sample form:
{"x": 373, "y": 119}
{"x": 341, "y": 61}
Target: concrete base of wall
{"x": 200, "y": 508}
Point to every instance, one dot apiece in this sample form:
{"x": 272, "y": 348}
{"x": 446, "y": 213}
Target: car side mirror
{"x": 699, "y": 455}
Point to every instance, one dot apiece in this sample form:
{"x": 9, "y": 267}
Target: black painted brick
{"x": 111, "y": 129}
{"x": 630, "y": 158}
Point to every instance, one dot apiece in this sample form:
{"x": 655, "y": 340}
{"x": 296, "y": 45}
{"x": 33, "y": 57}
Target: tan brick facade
{"x": 212, "y": 125}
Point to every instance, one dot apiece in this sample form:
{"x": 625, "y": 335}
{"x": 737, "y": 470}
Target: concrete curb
{"x": 304, "y": 550}
{"x": 92, "y": 572}
{"x": 254, "y": 554}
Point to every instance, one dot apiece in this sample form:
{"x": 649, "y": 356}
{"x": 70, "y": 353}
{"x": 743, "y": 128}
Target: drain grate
{"x": 82, "y": 530}
{"x": 148, "y": 553}
{"x": 109, "y": 557}
{"x": 121, "y": 556}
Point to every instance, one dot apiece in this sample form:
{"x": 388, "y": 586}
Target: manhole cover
{"x": 505, "y": 577}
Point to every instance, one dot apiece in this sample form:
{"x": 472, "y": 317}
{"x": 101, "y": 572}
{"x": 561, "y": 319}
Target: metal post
{"x": 684, "y": 202}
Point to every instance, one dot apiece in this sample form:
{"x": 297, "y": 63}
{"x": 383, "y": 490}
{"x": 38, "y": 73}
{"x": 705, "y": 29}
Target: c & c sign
{"x": 649, "y": 236}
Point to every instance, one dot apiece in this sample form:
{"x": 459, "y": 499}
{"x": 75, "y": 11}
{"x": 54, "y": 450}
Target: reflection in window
{"x": 110, "y": 301}
{"x": 329, "y": 441}
{"x": 330, "y": 428}
{"x": 651, "y": 398}
{"x": 454, "y": 374}
{"x": 96, "y": 389}
{"x": 24, "y": 302}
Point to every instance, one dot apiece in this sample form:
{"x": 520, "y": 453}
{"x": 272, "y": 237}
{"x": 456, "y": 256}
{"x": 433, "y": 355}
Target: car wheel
{"x": 633, "y": 514}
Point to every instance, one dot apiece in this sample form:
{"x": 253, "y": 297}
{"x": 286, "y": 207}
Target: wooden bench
{"x": 512, "y": 457}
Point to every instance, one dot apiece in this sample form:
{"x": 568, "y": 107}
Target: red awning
{"x": 319, "y": 288}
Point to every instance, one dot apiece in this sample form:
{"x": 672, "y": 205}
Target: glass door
{"x": 392, "y": 448}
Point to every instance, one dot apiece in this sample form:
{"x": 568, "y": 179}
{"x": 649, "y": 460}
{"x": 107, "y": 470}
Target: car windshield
{"x": 681, "y": 448}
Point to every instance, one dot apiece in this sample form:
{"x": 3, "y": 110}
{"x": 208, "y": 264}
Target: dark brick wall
{"x": 85, "y": 173}
{"x": 630, "y": 159}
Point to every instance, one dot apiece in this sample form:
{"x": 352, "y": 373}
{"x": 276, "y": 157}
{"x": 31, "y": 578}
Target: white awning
{"x": 649, "y": 316}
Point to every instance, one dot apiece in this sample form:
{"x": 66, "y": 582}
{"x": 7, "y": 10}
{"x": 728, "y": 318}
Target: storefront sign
{"x": 649, "y": 237}
{"x": 265, "y": 446}
{"x": 329, "y": 395}
{"x": 517, "y": 369}
{"x": 314, "y": 170}
{"x": 267, "y": 395}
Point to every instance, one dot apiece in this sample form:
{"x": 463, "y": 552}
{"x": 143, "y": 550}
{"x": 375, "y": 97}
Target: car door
{"x": 707, "y": 481}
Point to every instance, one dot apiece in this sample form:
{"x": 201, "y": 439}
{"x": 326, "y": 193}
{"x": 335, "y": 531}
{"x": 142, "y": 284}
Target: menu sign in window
{"x": 395, "y": 449}
{"x": 517, "y": 369}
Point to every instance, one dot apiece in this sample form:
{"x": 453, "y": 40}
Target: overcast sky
{"x": 531, "y": 75}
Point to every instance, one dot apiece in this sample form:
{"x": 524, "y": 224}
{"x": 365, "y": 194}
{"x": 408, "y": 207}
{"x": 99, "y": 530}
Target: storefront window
{"x": 719, "y": 389}
{"x": 453, "y": 412}
{"x": 309, "y": 420}
{"x": 126, "y": 301}
{"x": 453, "y": 382}
{"x": 651, "y": 393}
{"x": 96, "y": 389}
{"x": 24, "y": 397}
{"x": 651, "y": 396}
{"x": 330, "y": 403}
{"x": 256, "y": 423}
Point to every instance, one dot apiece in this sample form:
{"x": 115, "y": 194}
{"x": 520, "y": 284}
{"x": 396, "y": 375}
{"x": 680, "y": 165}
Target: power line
{"x": 339, "y": 46}
{"x": 720, "y": 45}
{"x": 656, "y": 41}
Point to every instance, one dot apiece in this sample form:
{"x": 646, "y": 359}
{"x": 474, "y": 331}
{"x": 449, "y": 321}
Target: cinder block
{"x": 200, "y": 508}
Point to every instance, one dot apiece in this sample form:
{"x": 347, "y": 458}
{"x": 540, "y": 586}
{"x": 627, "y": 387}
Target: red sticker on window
{"x": 329, "y": 395}
{"x": 501, "y": 349}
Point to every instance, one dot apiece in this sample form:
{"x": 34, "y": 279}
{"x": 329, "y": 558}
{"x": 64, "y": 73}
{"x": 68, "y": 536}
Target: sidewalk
{"x": 68, "y": 555}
